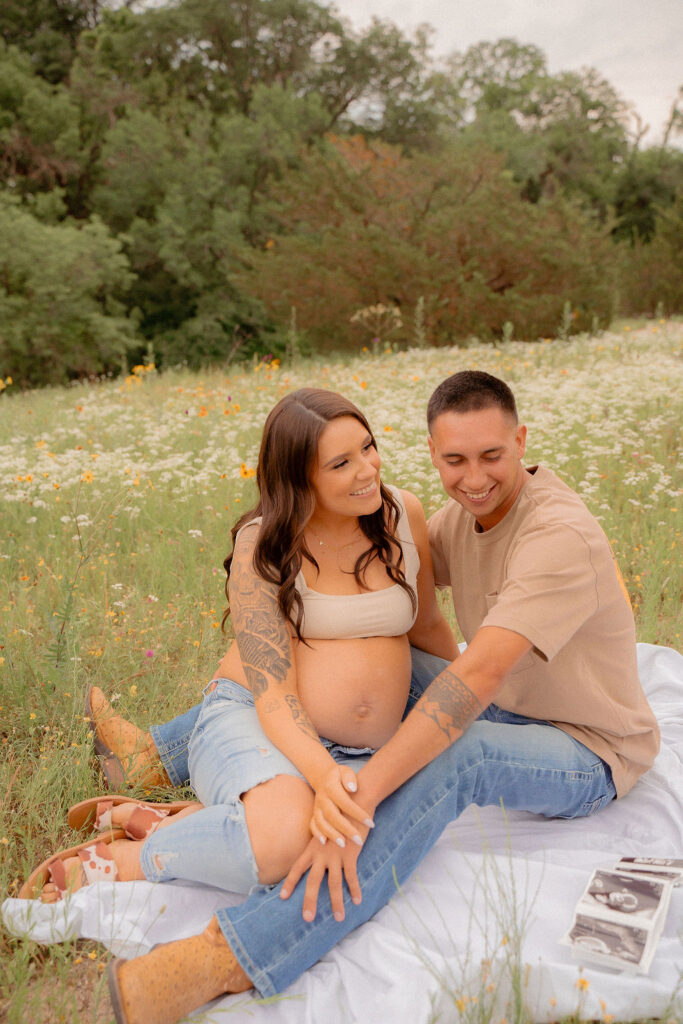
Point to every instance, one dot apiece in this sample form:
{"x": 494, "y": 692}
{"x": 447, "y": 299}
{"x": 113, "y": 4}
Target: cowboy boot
{"x": 175, "y": 978}
{"x": 127, "y": 755}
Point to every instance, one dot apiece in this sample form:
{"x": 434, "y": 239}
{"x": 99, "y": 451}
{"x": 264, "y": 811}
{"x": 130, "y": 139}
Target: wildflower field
{"x": 116, "y": 502}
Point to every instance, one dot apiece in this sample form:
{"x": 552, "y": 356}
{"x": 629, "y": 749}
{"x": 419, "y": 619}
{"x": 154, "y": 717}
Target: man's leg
{"x": 132, "y": 757}
{"x": 172, "y": 740}
{"x": 423, "y": 669}
{"x": 526, "y": 767}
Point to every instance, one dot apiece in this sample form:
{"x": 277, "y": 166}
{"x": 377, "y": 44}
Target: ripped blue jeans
{"x": 228, "y": 754}
{"x": 503, "y": 757}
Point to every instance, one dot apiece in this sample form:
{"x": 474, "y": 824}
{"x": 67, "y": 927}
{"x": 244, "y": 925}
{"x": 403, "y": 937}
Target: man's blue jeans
{"x": 172, "y": 740}
{"x": 502, "y": 758}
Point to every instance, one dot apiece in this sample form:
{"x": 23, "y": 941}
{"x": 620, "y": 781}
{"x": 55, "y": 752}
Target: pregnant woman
{"x": 329, "y": 583}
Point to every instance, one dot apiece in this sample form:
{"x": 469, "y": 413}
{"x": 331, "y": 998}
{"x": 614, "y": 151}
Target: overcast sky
{"x": 637, "y": 45}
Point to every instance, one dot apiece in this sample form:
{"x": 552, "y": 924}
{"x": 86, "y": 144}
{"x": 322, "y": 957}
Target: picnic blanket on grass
{"x": 484, "y": 911}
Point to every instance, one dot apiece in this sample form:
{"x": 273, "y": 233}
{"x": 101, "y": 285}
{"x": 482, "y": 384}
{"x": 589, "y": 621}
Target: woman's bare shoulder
{"x": 246, "y": 538}
{"x": 412, "y": 505}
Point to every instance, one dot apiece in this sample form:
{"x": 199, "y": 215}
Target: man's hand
{"x": 335, "y": 815}
{"x": 320, "y": 860}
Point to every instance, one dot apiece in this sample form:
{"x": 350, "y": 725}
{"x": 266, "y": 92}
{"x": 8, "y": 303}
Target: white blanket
{"x": 489, "y": 878}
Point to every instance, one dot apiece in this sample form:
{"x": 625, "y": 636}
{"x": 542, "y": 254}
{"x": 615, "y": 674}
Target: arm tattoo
{"x": 449, "y": 703}
{"x": 262, "y": 636}
{"x": 300, "y": 717}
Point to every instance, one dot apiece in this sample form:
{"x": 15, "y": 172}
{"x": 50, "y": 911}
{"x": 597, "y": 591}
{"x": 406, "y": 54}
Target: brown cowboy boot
{"x": 127, "y": 755}
{"x": 175, "y": 978}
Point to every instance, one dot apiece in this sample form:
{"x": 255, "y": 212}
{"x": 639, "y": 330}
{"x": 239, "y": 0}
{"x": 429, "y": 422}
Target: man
{"x": 543, "y": 711}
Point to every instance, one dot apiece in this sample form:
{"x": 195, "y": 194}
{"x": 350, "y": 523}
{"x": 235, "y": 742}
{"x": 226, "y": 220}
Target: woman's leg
{"x": 124, "y": 854}
{"x": 124, "y": 858}
{"x": 257, "y": 806}
{"x": 252, "y": 840}
{"x": 171, "y": 744}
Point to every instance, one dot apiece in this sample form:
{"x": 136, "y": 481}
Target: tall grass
{"x": 116, "y": 503}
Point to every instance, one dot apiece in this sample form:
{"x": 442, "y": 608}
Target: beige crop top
{"x": 386, "y": 612}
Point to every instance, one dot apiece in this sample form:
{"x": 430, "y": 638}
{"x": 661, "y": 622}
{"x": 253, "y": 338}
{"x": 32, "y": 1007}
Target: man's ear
{"x": 432, "y": 450}
{"x": 520, "y": 440}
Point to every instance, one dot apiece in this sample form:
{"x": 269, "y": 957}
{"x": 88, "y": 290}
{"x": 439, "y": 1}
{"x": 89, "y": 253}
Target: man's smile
{"x": 479, "y": 495}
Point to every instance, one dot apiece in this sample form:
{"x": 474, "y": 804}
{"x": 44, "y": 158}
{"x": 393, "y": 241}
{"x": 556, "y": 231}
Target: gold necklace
{"x": 326, "y": 543}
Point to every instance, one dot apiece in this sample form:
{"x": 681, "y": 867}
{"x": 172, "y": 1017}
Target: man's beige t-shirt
{"x": 546, "y": 571}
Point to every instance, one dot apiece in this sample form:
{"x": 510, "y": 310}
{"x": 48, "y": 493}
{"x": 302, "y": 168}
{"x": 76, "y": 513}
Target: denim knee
{"x": 211, "y": 846}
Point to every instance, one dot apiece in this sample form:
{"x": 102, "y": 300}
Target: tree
{"x": 217, "y": 53}
{"x": 48, "y": 31}
{"x": 60, "y": 315}
{"x": 651, "y": 275}
{"x": 39, "y": 141}
{"x": 563, "y": 132}
{"x": 186, "y": 196}
{"x": 647, "y": 183}
{"x": 363, "y": 224}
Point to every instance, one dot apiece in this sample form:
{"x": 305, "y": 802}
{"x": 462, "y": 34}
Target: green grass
{"x": 116, "y": 503}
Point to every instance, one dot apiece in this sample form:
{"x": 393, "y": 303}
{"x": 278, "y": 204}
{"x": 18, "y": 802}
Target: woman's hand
{"x": 338, "y": 864}
{"x": 336, "y": 816}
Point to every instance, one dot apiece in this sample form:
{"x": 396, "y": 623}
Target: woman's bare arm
{"x": 265, "y": 646}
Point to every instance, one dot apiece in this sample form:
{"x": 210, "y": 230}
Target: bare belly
{"x": 354, "y": 691}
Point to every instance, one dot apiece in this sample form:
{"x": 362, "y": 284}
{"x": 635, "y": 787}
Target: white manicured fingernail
{"x": 284, "y": 893}
{"x": 340, "y": 842}
{"x": 339, "y": 916}
{"x": 323, "y": 840}
{"x": 369, "y": 822}
{"x": 351, "y": 786}
{"x": 357, "y": 840}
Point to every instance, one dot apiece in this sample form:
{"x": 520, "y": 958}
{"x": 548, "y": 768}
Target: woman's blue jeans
{"x": 502, "y": 758}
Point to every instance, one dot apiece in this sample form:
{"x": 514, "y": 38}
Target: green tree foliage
{"x": 39, "y": 139}
{"x": 188, "y": 141}
{"x": 648, "y": 182}
{"x": 652, "y": 281}
{"x": 187, "y": 200}
{"x": 59, "y": 315}
{"x": 48, "y": 30}
{"x": 564, "y": 132}
{"x": 361, "y": 225}
{"x": 217, "y": 53}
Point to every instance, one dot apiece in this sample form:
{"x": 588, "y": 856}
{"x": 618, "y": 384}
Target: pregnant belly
{"x": 355, "y": 691}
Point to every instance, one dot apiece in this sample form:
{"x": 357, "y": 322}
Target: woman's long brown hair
{"x": 289, "y": 447}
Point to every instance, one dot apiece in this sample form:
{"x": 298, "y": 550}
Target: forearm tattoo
{"x": 301, "y": 719}
{"x": 449, "y": 703}
{"x": 262, "y": 636}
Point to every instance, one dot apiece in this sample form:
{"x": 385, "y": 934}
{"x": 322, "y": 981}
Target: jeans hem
{"x": 166, "y": 755}
{"x": 258, "y": 977}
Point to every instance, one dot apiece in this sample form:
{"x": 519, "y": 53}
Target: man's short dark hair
{"x": 469, "y": 391}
